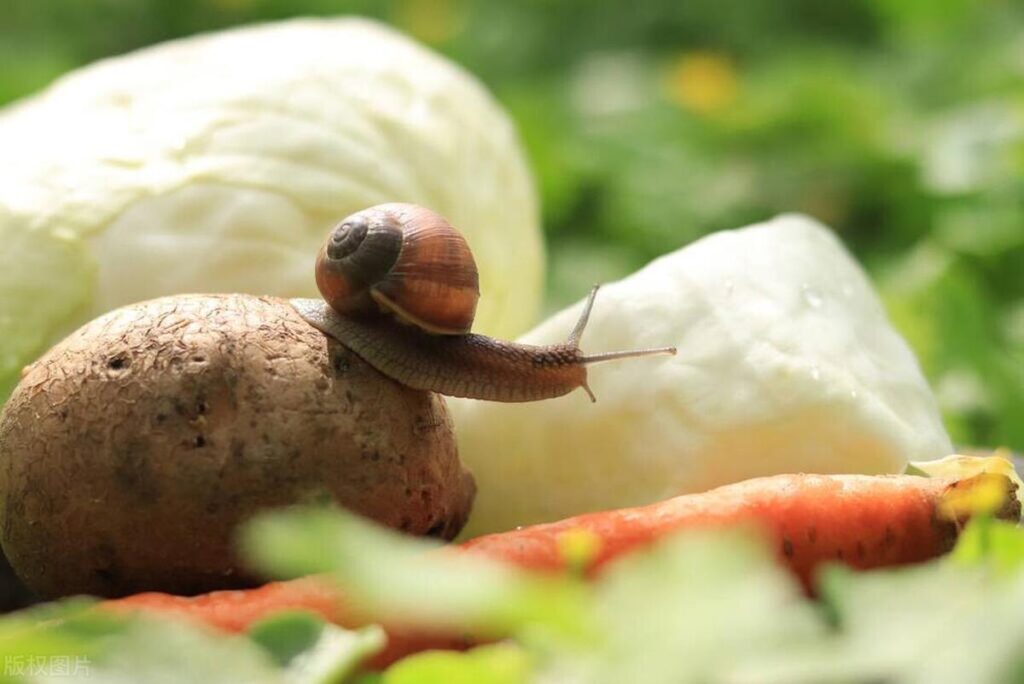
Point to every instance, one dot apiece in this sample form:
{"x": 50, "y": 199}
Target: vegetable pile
{"x": 743, "y": 532}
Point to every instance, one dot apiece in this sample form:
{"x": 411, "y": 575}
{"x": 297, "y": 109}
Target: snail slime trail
{"x": 400, "y": 288}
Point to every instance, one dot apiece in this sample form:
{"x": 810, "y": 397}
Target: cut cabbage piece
{"x": 786, "y": 363}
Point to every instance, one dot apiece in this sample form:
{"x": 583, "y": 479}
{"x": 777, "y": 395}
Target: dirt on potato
{"x": 130, "y": 453}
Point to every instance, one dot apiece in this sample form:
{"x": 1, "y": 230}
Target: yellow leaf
{"x": 983, "y": 494}
{"x": 961, "y": 466}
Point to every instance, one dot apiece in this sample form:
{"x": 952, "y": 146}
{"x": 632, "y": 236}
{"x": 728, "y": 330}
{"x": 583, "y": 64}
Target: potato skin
{"x": 131, "y": 451}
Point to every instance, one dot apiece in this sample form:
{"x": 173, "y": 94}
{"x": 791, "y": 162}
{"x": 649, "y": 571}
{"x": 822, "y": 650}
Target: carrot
{"x": 863, "y": 521}
{"x": 236, "y": 609}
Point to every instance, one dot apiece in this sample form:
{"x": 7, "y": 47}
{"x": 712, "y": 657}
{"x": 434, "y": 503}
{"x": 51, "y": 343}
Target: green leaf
{"x": 71, "y": 641}
{"x": 396, "y": 578}
{"x": 935, "y": 623}
{"x": 993, "y": 543}
{"x": 693, "y": 609}
{"x": 312, "y": 651}
{"x": 159, "y": 651}
{"x": 498, "y": 664}
{"x": 50, "y": 636}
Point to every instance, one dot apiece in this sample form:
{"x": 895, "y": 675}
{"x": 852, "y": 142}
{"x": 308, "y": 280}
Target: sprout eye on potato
{"x": 133, "y": 449}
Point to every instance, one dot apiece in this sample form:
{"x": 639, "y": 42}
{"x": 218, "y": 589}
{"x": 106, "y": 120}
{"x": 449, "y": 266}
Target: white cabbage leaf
{"x": 218, "y": 163}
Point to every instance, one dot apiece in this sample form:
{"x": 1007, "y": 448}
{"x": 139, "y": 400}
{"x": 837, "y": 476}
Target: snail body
{"x": 400, "y": 288}
{"x": 468, "y": 365}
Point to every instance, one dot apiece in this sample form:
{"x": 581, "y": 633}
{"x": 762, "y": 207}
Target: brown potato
{"x": 130, "y": 453}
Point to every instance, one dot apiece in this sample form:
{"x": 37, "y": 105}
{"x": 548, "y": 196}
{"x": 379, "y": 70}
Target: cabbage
{"x": 217, "y": 164}
{"x": 787, "y": 363}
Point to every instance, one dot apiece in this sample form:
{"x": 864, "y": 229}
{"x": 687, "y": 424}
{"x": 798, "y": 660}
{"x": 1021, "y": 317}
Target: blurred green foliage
{"x": 900, "y": 123}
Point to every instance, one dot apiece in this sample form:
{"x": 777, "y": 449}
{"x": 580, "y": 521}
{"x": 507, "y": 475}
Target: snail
{"x": 400, "y": 288}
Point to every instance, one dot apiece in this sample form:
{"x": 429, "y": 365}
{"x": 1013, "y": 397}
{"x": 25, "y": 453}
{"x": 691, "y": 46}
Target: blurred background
{"x": 899, "y": 123}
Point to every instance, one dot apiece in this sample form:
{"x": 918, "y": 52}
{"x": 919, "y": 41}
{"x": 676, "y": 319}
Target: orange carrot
{"x": 863, "y": 521}
{"x": 234, "y": 610}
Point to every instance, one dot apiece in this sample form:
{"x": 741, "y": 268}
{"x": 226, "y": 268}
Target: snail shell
{"x": 404, "y": 259}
